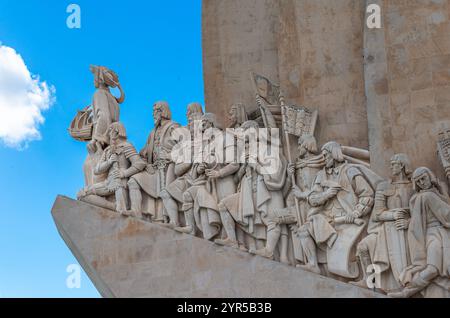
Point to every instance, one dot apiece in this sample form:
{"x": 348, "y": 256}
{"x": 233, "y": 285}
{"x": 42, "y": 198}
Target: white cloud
{"x": 23, "y": 98}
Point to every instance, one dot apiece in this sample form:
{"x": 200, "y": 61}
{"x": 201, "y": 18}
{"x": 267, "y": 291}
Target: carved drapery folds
{"x": 320, "y": 208}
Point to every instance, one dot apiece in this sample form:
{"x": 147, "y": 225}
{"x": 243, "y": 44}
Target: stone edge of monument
{"x": 64, "y": 205}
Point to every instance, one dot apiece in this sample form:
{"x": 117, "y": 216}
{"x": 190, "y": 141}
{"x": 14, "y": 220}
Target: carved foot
{"x": 243, "y": 248}
{"x": 170, "y": 225}
{"x": 81, "y": 194}
{"x": 310, "y": 268}
{"x": 129, "y": 213}
{"x": 147, "y": 217}
{"x": 264, "y": 253}
{"x": 360, "y": 283}
{"x": 227, "y": 242}
{"x": 186, "y": 230}
{"x": 284, "y": 260}
{"x": 405, "y": 293}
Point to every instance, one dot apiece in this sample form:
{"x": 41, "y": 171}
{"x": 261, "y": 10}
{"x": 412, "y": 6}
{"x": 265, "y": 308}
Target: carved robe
{"x": 429, "y": 240}
{"x": 158, "y": 148}
{"x": 257, "y": 197}
{"x": 206, "y": 192}
{"x": 336, "y": 238}
{"x": 388, "y": 247}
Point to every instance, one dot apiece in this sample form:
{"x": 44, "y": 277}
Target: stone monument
{"x": 293, "y": 191}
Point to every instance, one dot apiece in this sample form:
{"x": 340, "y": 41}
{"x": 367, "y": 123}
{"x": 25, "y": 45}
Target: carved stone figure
{"x": 386, "y": 244}
{"x": 428, "y": 239}
{"x": 305, "y": 169}
{"x": 172, "y": 196}
{"x": 237, "y": 115}
{"x": 252, "y": 206}
{"x": 160, "y": 167}
{"x": 105, "y": 106}
{"x": 119, "y": 162}
{"x": 342, "y": 199}
{"x": 210, "y": 181}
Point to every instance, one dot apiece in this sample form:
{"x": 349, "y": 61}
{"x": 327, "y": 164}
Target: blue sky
{"x": 154, "y": 46}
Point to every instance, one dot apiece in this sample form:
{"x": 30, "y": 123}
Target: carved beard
{"x": 158, "y": 121}
{"x": 302, "y": 152}
{"x": 114, "y": 143}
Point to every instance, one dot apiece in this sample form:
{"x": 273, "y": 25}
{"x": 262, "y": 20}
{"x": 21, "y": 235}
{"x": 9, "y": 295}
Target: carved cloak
{"x": 429, "y": 237}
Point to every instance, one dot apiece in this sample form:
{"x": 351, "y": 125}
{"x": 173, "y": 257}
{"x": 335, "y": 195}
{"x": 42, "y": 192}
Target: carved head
{"x": 208, "y": 121}
{"x": 161, "y": 111}
{"x": 194, "y": 111}
{"x": 424, "y": 179}
{"x": 332, "y": 153}
{"x": 307, "y": 144}
{"x": 400, "y": 163}
{"x": 104, "y": 76}
{"x": 237, "y": 115}
{"x": 263, "y": 86}
{"x": 116, "y": 131}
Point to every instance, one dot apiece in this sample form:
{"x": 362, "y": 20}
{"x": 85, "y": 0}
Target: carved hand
{"x": 298, "y": 193}
{"x": 118, "y": 174}
{"x": 212, "y": 173}
{"x": 201, "y": 168}
{"x": 291, "y": 170}
{"x": 113, "y": 158}
{"x": 349, "y": 219}
{"x": 331, "y": 192}
{"x": 356, "y": 214}
{"x": 402, "y": 224}
{"x": 259, "y": 100}
{"x": 81, "y": 194}
{"x": 400, "y": 214}
{"x": 150, "y": 169}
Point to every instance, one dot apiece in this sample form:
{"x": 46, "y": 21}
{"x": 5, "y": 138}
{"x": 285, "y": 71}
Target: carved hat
{"x": 105, "y": 75}
{"x": 194, "y": 108}
{"x": 120, "y": 128}
{"x": 404, "y": 160}
{"x": 211, "y": 118}
{"x": 335, "y": 149}
{"x": 194, "y": 112}
{"x": 421, "y": 171}
{"x": 309, "y": 142}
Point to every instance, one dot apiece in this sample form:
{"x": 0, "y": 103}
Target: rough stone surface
{"x": 408, "y": 81}
{"x": 313, "y": 48}
{"x": 127, "y": 257}
{"x": 387, "y": 89}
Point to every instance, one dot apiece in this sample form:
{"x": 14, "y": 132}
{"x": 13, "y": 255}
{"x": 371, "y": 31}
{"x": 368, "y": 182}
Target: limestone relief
{"x": 320, "y": 208}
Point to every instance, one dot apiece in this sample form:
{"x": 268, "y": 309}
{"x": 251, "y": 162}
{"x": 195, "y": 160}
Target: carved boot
{"x": 229, "y": 226}
{"x": 406, "y": 292}
{"x": 273, "y": 235}
{"x": 190, "y": 221}
{"x": 309, "y": 247}
{"x": 284, "y": 249}
{"x": 227, "y": 242}
{"x": 121, "y": 201}
{"x": 171, "y": 207}
{"x": 364, "y": 259}
{"x": 135, "y": 197}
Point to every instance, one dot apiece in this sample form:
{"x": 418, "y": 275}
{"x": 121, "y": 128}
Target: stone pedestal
{"x": 126, "y": 257}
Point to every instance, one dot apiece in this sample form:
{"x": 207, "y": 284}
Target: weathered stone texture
{"x": 312, "y": 47}
{"x": 412, "y": 53}
{"x": 388, "y": 89}
{"x": 127, "y": 257}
